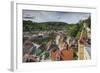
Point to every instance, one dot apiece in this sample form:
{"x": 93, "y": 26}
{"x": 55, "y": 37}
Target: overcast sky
{"x": 45, "y": 16}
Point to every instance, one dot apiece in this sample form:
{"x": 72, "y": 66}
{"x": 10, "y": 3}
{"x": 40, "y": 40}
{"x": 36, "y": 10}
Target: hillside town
{"x": 60, "y": 48}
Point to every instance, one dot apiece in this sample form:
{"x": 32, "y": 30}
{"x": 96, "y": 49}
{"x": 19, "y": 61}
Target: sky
{"x": 54, "y": 16}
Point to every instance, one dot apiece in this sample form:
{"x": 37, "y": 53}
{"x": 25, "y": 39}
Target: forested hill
{"x": 31, "y": 26}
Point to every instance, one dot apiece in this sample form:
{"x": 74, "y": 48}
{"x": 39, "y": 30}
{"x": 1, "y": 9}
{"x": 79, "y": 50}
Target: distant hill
{"x": 29, "y": 25}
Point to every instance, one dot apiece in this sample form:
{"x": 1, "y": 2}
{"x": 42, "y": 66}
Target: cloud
{"x": 45, "y": 16}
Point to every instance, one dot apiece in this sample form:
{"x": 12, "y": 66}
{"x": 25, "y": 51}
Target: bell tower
{"x": 82, "y": 52}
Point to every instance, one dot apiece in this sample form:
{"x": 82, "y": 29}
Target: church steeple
{"x": 82, "y": 52}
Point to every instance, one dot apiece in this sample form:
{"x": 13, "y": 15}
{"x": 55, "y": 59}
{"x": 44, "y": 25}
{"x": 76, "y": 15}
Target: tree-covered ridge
{"x": 31, "y": 26}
